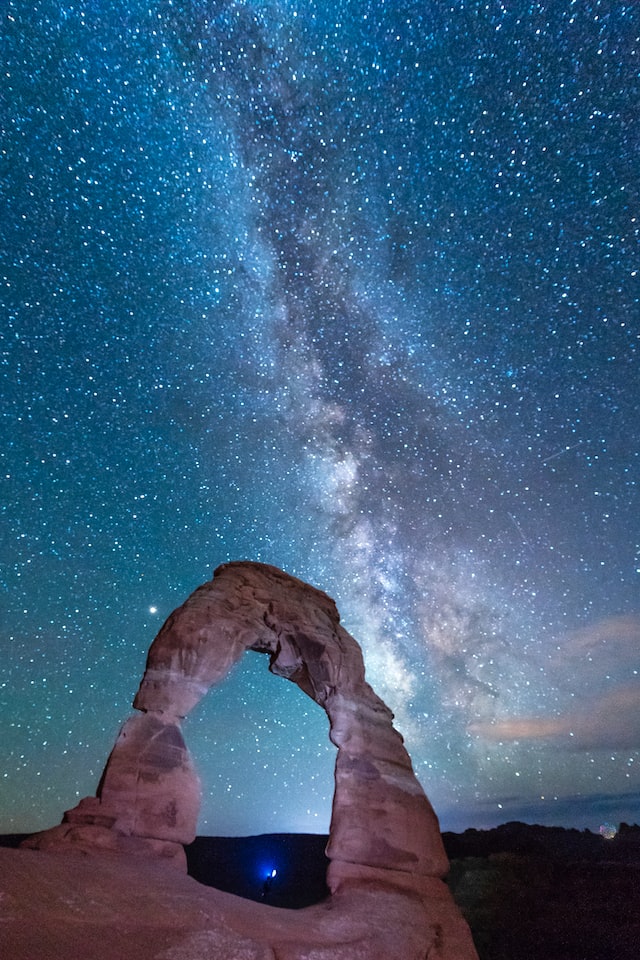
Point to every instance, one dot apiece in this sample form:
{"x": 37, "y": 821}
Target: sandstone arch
{"x": 384, "y": 834}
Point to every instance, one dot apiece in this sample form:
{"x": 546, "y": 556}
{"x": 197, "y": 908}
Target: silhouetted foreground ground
{"x": 527, "y": 892}
{"x": 542, "y": 893}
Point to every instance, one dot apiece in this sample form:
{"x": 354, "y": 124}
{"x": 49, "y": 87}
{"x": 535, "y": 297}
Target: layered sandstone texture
{"x": 384, "y": 839}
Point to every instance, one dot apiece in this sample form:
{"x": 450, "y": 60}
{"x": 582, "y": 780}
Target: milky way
{"x": 350, "y": 288}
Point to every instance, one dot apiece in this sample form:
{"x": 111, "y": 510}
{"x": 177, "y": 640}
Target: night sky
{"x": 351, "y": 288}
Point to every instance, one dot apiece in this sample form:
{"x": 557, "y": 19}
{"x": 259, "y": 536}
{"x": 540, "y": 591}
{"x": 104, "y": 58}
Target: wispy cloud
{"x": 577, "y": 809}
{"x": 611, "y": 721}
{"x": 601, "y": 650}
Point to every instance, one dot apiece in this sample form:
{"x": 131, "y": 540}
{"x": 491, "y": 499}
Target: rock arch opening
{"x": 263, "y": 754}
{"x": 267, "y": 787}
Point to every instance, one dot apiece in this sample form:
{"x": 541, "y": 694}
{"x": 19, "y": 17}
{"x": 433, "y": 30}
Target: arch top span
{"x": 246, "y": 606}
{"x": 382, "y": 823}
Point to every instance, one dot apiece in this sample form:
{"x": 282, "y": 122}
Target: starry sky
{"x": 350, "y": 288}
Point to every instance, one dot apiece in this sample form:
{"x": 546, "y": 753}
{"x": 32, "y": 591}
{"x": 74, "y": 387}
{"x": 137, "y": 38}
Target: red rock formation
{"x": 384, "y": 834}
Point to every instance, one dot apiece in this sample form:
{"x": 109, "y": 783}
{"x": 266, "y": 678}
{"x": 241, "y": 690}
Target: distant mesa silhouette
{"x": 385, "y": 850}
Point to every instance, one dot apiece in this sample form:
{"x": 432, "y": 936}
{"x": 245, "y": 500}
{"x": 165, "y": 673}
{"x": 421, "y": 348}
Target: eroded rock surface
{"x": 384, "y": 835}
